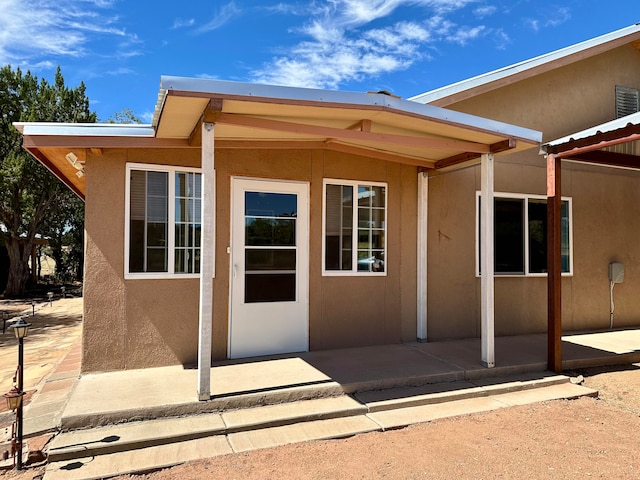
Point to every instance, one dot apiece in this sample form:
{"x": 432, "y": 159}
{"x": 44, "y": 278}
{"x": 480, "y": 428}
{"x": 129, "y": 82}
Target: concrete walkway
{"x": 114, "y": 397}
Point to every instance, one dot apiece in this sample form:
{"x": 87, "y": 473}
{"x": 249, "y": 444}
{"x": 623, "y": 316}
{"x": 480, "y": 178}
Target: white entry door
{"x": 269, "y": 278}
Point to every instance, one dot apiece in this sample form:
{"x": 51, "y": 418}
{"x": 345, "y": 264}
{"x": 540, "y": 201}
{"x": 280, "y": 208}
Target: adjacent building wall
{"x": 606, "y": 203}
{"x": 144, "y": 323}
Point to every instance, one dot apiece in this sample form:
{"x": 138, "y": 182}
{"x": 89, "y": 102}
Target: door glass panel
{"x": 278, "y": 287}
{"x": 270, "y": 231}
{"x": 261, "y": 204}
{"x": 270, "y": 259}
{"x": 270, "y": 221}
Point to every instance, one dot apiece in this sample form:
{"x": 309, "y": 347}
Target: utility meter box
{"x": 616, "y": 272}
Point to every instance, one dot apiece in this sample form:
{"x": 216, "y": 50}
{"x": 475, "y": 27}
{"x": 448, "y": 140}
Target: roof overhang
{"x": 495, "y": 79}
{"x": 373, "y": 125}
{"x": 599, "y": 145}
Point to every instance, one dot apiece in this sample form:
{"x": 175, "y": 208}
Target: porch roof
{"x": 375, "y": 125}
{"x": 602, "y": 144}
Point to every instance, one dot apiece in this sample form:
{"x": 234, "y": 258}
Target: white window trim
{"x": 170, "y": 274}
{"x": 354, "y": 272}
{"x": 524, "y": 196}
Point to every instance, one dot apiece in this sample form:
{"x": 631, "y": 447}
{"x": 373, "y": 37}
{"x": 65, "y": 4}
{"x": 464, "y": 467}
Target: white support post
{"x": 487, "y": 261}
{"x": 423, "y": 215}
{"x": 207, "y": 259}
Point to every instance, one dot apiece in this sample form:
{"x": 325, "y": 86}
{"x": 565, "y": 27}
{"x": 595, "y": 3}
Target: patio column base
{"x": 488, "y": 364}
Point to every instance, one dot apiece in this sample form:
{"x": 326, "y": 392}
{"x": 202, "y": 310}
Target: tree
{"x": 29, "y": 194}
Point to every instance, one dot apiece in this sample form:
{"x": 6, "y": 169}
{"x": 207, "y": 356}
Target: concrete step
{"x": 134, "y": 435}
{"x": 445, "y": 392}
{"x": 139, "y": 446}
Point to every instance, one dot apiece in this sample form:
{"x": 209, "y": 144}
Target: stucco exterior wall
{"x": 606, "y": 202}
{"x": 144, "y": 323}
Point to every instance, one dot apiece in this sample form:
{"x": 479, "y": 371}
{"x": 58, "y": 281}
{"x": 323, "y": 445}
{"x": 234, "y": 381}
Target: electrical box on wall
{"x": 616, "y": 272}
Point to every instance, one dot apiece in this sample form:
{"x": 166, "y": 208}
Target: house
{"x": 583, "y": 98}
{"x": 250, "y": 219}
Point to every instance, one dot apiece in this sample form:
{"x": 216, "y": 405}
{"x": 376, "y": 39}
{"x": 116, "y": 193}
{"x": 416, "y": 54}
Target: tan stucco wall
{"x": 141, "y": 323}
{"x": 606, "y": 204}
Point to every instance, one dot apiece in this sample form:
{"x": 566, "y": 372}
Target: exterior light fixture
{"x": 14, "y": 396}
{"x": 20, "y": 328}
{"x": 50, "y": 296}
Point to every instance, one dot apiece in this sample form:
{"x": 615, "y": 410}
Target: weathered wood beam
{"x": 377, "y": 154}
{"x": 630, "y": 133}
{"x": 340, "y": 133}
{"x": 554, "y": 265}
{"x": 610, "y": 159}
{"x": 208, "y": 116}
{"x": 497, "y": 147}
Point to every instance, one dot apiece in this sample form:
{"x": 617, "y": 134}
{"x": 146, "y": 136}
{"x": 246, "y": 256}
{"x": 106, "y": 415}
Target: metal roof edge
{"x": 338, "y": 97}
{"x": 618, "y": 123}
{"x": 85, "y": 129}
{"x": 523, "y": 66}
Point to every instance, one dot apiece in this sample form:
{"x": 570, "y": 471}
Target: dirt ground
{"x": 585, "y": 438}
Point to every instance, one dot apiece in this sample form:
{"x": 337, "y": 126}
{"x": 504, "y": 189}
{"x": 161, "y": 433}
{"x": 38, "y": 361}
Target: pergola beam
{"x": 346, "y": 134}
{"x": 498, "y": 147}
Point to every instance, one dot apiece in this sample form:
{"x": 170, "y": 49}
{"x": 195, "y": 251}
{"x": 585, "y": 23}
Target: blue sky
{"x": 120, "y": 48}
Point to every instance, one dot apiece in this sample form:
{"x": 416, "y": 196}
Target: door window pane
{"x": 261, "y": 204}
{"x": 269, "y": 259}
{"x": 279, "y": 287}
{"x": 270, "y": 231}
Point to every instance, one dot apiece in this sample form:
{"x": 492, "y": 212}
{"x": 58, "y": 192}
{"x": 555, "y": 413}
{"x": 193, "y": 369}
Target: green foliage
{"x": 32, "y": 200}
{"x": 126, "y": 115}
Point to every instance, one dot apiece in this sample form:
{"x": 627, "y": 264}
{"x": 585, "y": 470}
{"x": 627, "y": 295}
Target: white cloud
{"x": 39, "y": 28}
{"x": 344, "y": 45}
{"x": 484, "y": 11}
{"x": 554, "y": 18}
{"x": 220, "y": 18}
{"x": 181, "y": 23}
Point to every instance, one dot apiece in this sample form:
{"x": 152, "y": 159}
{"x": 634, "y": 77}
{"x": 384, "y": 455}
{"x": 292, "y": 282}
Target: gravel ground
{"x": 585, "y": 438}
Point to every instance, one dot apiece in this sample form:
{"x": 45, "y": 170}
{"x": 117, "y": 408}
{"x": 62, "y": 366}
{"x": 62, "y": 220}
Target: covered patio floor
{"x": 112, "y": 397}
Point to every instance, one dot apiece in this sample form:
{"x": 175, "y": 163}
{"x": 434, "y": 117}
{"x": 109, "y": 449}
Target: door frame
{"x": 302, "y": 239}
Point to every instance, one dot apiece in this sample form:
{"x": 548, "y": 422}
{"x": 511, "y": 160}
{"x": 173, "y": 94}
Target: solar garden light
{"x": 63, "y": 290}
{"x": 14, "y": 396}
{"x": 50, "y": 296}
{"x": 5, "y": 317}
{"x": 33, "y": 307}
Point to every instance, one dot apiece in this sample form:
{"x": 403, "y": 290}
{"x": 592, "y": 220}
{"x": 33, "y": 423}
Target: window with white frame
{"x": 520, "y": 234}
{"x": 354, "y": 223}
{"x": 163, "y": 221}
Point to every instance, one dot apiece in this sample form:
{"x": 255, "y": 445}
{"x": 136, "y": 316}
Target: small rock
{"x": 579, "y": 380}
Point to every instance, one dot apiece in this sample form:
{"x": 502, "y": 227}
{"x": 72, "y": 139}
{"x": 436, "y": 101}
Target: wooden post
{"x": 423, "y": 202}
{"x": 487, "y": 261}
{"x": 554, "y": 265}
{"x": 207, "y": 262}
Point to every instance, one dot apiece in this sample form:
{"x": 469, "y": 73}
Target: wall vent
{"x": 627, "y": 101}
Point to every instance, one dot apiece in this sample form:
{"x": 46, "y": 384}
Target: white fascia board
{"x": 336, "y": 98}
{"x": 485, "y": 78}
{"x": 85, "y": 129}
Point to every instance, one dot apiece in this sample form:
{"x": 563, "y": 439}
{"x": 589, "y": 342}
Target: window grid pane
{"x": 368, "y": 243}
{"x": 150, "y": 228}
{"x": 187, "y": 222}
{"x": 509, "y": 248}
